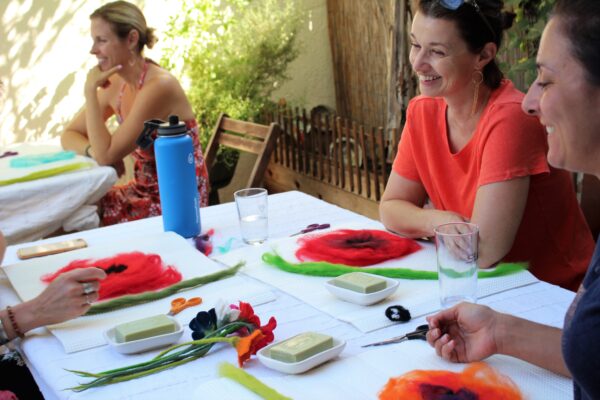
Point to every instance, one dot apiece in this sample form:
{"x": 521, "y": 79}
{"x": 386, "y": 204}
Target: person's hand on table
{"x": 63, "y": 299}
{"x": 464, "y": 333}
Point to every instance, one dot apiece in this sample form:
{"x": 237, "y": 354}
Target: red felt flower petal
{"x": 357, "y": 248}
{"x": 247, "y": 314}
{"x": 267, "y": 330}
{"x": 127, "y": 273}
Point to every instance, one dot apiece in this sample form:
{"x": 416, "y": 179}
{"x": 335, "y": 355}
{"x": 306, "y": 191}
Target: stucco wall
{"x": 44, "y": 57}
{"x": 312, "y": 72}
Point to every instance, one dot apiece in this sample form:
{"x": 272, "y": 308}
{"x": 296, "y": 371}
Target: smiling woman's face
{"x": 567, "y": 104}
{"x": 106, "y": 45}
{"x": 440, "y": 57}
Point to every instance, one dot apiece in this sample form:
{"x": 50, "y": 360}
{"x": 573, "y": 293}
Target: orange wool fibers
{"x": 127, "y": 273}
{"x": 357, "y": 248}
{"x": 478, "y": 381}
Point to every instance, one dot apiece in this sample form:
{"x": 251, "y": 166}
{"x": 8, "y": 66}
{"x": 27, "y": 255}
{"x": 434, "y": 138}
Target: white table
{"x": 33, "y": 209}
{"x": 357, "y": 374}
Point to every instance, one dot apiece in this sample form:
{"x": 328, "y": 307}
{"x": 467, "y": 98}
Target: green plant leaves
{"x": 524, "y": 37}
{"x": 230, "y": 54}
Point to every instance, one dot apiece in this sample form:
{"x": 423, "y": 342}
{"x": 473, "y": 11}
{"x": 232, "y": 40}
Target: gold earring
{"x": 132, "y": 59}
{"x": 477, "y": 80}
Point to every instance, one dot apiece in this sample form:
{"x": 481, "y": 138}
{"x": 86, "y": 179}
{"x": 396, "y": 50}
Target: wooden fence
{"x": 332, "y": 158}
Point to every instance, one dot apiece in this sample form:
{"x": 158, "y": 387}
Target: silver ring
{"x": 88, "y": 288}
{"x": 87, "y": 299}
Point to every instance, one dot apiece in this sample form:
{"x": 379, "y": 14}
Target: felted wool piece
{"x": 143, "y": 272}
{"x": 146, "y": 297}
{"x": 478, "y": 381}
{"x": 322, "y": 268}
{"x": 355, "y": 247}
{"x": 240, "y": 376}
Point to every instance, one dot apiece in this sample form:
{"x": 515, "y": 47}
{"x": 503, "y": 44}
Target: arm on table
{"x": 88, "y": 130}
{"x": 470, "y": 332}
{"x": 76, "y": 135}
{"x": 498, "y": 211}
{"x": 401, "y": 209}
{"x": 157, "y": 99}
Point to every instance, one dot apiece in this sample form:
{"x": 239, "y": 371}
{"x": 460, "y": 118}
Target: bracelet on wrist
{"x": 87, "y": 150}
{"x": 13, "y": 322}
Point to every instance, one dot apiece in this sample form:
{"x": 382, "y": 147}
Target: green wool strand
{"x": 46, "y": 173}
{"x": 251, "y": 383}
{"x": 141, "y": 298}
{"x": 322, "y": 268}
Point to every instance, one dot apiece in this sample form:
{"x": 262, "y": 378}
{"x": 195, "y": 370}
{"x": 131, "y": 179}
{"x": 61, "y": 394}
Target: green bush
{"x": 230, "y": 56}
{"x": 524, "y": 35}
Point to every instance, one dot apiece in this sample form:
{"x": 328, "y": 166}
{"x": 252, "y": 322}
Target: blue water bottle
{"x": 177, "y": 183}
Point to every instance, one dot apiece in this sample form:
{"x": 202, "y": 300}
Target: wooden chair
{"x": 246, "y": 137}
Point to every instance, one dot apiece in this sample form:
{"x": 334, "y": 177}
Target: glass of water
{"x": 456, "y": 248}
{"x": 252, "y": 210}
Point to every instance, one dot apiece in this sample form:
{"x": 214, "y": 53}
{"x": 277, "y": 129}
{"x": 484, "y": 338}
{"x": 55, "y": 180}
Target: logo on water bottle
{"x": 190, "y": 158}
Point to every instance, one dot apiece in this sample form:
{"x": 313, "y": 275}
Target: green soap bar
{"x": 300, "y": 347}
{"x": 360, "y": 282}
{"x": 144, "y": 328}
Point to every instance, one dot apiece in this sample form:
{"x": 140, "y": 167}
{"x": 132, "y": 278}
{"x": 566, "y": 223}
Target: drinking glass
{"x": 252, "y": 211}
{"x": 456, "y": 249}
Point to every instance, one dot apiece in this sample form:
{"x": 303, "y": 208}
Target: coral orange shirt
{"x": 553, "y": 236}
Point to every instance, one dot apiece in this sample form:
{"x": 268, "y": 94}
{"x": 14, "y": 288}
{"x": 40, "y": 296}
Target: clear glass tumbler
{"x": 253, "y": 212}
{"x": 456, "y": 248}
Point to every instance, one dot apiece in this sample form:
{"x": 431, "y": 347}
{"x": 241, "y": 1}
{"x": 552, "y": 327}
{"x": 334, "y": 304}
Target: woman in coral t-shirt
{"x": 470, "y": 150}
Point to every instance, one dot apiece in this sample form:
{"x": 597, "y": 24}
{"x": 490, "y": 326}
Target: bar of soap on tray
{"x": 301, "y": 347}
{"x": 144, "y": 328}
{"x": 360, "y": 282}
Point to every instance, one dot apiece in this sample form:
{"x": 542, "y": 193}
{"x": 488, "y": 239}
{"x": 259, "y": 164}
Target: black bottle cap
{"x": 172, "y": 128}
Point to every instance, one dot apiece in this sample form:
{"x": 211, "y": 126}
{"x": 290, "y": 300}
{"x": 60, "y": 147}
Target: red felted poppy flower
{"x": 357, "y": 248}
{"x": 126, "y": 273}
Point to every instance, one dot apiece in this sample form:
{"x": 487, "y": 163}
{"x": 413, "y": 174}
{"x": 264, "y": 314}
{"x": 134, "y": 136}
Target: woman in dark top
{"x": 566, "y": 98}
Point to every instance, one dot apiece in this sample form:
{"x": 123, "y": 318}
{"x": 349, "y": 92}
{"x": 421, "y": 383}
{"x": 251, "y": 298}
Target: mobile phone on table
{"x": 50, "y": 248}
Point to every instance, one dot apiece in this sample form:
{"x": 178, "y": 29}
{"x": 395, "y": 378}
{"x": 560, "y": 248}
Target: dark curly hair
{"x": 476, "y": 25}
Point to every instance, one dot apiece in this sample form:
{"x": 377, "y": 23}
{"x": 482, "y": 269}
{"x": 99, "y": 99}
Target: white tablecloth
{"x": 33, "y": 209}
{"x": 358, "y": 373}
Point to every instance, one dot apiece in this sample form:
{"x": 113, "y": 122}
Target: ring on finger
{"x": 87, "y": 299}
{"x": 88, "y": 287}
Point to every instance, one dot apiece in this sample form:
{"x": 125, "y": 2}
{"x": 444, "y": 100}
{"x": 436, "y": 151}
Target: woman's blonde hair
{"x": 124, "y": 17}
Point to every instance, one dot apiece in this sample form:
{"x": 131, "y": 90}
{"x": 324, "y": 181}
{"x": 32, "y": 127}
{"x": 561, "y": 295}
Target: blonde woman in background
{"x": 134, "y": 89}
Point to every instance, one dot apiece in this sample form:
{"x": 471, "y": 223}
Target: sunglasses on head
{"x": 455, "y": 4}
